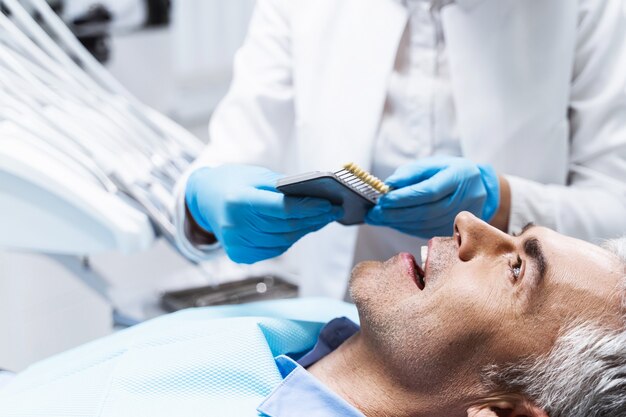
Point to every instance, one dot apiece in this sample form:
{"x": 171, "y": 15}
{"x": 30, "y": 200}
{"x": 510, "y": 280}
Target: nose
{"x": 474, "y": 237}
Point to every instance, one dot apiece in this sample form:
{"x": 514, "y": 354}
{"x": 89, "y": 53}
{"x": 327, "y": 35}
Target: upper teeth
{"x": 424, "y": 255}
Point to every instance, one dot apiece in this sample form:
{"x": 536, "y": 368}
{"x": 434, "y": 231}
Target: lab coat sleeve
{"x": 592, "y": 206}
{"x": 254, "y": 122}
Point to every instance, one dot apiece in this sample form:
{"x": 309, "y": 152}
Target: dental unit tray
{"x": 353, "y": 188}
{"x": 261, "y": 288}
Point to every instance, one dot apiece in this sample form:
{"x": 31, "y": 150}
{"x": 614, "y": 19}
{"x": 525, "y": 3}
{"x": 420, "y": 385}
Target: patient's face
{"x": 488, "y": 298}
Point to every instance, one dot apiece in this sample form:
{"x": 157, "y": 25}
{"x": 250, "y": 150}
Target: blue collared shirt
{"x": 302, "y": 392}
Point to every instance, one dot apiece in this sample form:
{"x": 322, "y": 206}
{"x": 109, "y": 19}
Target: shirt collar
{"x": 332, "y": 335}
{"x": 301, "y": 393}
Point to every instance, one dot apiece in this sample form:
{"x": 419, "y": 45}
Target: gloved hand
{"x": 240, "y": 205}
{"x": 430, "y": 192}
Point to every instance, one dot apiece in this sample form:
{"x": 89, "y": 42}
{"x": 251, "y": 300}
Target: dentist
{"x": 512, "y": 110}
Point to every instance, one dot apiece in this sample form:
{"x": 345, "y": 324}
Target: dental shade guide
{"x": 353, "y": 188}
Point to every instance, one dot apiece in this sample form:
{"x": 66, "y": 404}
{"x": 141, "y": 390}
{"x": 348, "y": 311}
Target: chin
{"x": 367, "y": 289}
{"x": 362, "y": 276}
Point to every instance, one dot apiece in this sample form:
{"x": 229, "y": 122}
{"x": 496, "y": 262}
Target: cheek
{"x": 473, "y": 301}
{"x": 483, "y": 314}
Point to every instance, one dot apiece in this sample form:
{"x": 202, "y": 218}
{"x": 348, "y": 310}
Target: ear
{"x": 506, "y": 408}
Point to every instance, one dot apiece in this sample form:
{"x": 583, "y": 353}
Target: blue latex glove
{"x": 240, "y": 205}
{"x": 429, "y": 193}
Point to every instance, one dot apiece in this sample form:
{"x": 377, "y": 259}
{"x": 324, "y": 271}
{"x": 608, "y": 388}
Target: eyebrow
{"x": 532, "y": 249}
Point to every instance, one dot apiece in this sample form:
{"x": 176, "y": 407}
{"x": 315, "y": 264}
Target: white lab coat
{"x": 539, "y": 90}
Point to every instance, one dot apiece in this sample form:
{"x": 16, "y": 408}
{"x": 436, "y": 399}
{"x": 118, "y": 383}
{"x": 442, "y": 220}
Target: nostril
{"x": 457, "y": 236}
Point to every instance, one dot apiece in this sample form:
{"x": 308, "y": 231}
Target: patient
{"x": 528, "y": 325}
{"x": 496, "y": 326}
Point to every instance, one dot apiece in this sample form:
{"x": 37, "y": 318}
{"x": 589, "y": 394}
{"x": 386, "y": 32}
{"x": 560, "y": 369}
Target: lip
{"x": 413, "y": 269}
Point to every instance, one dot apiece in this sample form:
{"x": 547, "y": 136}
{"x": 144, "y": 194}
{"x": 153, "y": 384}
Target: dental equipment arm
{"x": 77, "y": 144}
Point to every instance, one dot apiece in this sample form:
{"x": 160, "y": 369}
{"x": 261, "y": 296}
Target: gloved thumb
{"x": 412, "y": 173}
{"x": 267, "y": 180}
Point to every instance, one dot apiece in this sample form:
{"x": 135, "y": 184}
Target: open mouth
{"x": 417, "y": 272}
{"x": 414, "y": 270}
{"x": 419, "y": 277}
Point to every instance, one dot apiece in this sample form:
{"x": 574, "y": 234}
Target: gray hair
{"x": 584, "y": 375}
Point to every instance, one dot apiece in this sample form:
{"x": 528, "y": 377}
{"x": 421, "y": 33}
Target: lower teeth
{"x": 424, "y": 255}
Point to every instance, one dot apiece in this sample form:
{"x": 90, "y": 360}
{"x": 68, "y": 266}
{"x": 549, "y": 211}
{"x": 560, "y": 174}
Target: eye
{"x": 515, "y": 269}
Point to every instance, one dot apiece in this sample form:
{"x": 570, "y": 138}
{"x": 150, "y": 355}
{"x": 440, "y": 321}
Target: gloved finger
{"x": 273, "y": 225}
{"x": 250, "y": 255}
{"x": 445, "y": 230}
{"x": 417, "y": 171}
{"x": 414, "y": 223}
{"x": 255, "y": 176}
{"x": 267, "y": 180}
{"x": 446, "y": 207}
{"x": 280, "y": 206}
{"x": 256, "y": 239}
{"x": 280, "y": 239}
{"x": 422, "y": 213}
{"x": 433, "y": 189}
